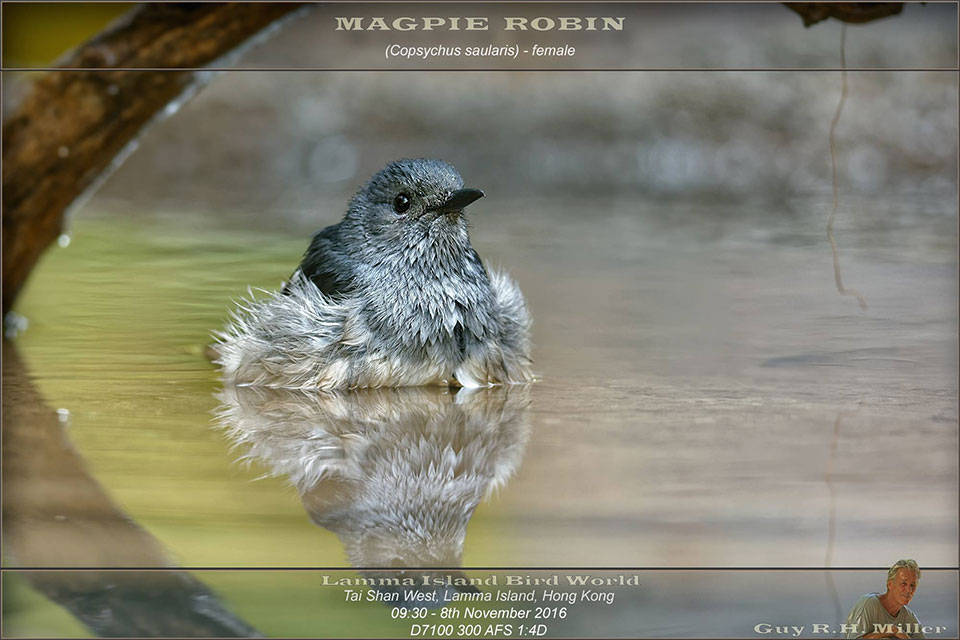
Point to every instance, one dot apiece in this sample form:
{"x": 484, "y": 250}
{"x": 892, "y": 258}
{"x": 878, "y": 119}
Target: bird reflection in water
{"x": 396, "y": 474}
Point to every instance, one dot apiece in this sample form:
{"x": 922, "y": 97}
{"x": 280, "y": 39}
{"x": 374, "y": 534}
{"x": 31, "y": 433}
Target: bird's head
{"x": 409, "y": 201}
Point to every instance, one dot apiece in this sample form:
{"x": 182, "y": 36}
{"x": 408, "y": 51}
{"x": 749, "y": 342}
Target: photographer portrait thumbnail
{"x": 886, "y": 615}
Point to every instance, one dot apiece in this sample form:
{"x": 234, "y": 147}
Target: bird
{"x": 393, "y": 295}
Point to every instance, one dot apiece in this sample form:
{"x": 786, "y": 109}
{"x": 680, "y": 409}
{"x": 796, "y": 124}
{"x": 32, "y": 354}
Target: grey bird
{"x": 393, "y": 295}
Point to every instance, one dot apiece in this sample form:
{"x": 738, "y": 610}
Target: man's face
{"x": 903, "y": 586}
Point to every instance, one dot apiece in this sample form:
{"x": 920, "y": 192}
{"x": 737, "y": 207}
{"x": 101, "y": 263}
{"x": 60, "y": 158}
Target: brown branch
{"x": 853, "y": 12}
{"x": 73, "y": 123}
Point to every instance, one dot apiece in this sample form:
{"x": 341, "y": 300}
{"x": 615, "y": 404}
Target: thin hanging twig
{"x": 836, "y": 188}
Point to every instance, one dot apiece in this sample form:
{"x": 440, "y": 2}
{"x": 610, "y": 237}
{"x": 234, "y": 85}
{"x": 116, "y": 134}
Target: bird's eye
{"x": 401, "y": 203}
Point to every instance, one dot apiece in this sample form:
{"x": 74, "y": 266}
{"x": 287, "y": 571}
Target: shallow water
{"x": 706, "y": 398}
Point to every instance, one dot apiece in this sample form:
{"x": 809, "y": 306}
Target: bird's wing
{"x": 325, "y": 265}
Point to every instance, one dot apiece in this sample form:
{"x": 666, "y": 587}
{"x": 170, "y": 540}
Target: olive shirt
{"x": 869, "y": 612}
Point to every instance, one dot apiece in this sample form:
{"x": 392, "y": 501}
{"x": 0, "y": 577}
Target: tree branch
{"x": 854, "y": 12}
{"x": 72, "y": 124}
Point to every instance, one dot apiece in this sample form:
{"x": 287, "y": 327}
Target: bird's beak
{"x": 458, "y": 200}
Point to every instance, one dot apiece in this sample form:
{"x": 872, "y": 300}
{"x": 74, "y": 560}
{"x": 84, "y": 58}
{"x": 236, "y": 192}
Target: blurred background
{"x": 707, "y": 398}
{"x": 757, "y": 136}
{"x": 302, "y": 142}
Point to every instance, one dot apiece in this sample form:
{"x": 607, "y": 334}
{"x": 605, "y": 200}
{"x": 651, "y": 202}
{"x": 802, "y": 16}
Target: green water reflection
{"x": 118, "y": 322}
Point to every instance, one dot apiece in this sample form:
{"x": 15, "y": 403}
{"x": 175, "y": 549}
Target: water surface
{"x": 706, "y": 398}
